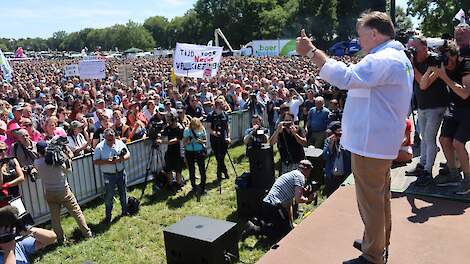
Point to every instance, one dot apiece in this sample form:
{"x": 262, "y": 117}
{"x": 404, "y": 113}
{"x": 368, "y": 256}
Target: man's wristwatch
{"x": 311, "y": 53}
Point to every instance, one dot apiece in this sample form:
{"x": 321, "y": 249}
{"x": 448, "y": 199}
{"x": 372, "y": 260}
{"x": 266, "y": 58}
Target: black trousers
{"x": 219, "y": 148}
{"x": 277, "y": 220}
{"x": 193, "y": 157}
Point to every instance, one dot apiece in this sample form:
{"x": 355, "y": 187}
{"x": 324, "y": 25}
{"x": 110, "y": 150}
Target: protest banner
{"x": 5, "y": 67}
{"x": 71, "y": 70}
{"x": 92, "y": 69}
{"x": 196, "y": 61}
{"x": 125, "y": 74}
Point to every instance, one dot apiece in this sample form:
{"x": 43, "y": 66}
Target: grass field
{"x": 139, "y": 239}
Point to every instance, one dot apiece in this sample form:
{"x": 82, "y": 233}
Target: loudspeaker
{"x": 250, "y": 201}
{"x": 201, "y": 240}
{"x": 261, "y": 167}
{"x": 315, "y": 156}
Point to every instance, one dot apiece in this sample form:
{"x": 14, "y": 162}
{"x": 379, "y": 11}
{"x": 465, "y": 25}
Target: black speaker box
{"x": 201, "y": 240}
{"x": 249, "y": 201}
{"x": 261, "y": 167}
{"x": 315, "y": 156}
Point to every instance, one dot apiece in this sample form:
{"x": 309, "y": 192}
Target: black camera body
{"x": 55, "y": 152}
{"x": 311, "y": 187}
{"x": 410, "y": 52}
{"x": 436, "y": 60}
{"x": 155, "y": 129}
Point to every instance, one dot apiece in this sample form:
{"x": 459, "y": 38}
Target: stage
{"x": 426, "y": 230}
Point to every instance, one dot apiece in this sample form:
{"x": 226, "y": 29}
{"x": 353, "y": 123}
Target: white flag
{"x": 460, "y": 16}
{"x": 5, "y": 66}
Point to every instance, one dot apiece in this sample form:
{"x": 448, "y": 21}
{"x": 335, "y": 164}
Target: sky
{"x": 41, "y": 18}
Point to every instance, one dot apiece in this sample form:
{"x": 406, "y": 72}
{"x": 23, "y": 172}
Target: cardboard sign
{"x": 196, "y": 61}
{"x": 125, "y": 74}
{"x": 92, "y": 69}
{"x": 71, "y": 70}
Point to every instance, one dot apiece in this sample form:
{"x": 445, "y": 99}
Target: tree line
{"x": 243, "y": 21}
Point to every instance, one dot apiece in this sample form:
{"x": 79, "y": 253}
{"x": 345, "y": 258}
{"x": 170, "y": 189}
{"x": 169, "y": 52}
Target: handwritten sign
{"x": 196, "y": 61}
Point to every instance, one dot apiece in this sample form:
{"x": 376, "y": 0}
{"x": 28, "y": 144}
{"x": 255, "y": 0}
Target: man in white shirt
{"x": 295, "y": 100}
{"x": 380, "y": 88}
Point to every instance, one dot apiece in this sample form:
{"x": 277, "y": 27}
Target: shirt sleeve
{"x": 97, "y": 153}
{"x": 368, "y": 73}
{"x": 186, "y": 133}
{"x": 299, "y": 180}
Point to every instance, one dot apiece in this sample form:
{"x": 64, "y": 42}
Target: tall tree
{"x": 437, "y": 15}
{"x": 158, "y": 26}
{"x": 403, "y": 21}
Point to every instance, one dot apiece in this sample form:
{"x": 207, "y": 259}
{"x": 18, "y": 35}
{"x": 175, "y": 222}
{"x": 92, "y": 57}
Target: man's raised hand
{"x": 304, "y": 44}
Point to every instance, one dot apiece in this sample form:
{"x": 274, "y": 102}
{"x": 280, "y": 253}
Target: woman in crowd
{"x": 51, "y": 129}
{"x": 77, "y": 142}
{"x": 194, "y": 140}
{"x": 136, "y": 126}
{"x": 11, "y": 175}
{"x": 35, "y": 135}
{"x": 122, "y": 130}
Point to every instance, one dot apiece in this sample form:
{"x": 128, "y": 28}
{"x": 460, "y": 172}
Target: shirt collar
{"x": 379, "y": 47}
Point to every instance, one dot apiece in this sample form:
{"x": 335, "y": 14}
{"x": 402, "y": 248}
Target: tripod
{"x": 153, "y": 148}
{"x": 231, "y": 162}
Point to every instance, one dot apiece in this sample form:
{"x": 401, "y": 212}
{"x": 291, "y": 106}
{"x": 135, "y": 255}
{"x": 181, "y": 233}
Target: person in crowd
{"x": 110, "y": 154}
{"x": 252, "y": 132}
{"x": 34, "y": 239}
{"x": 290, "y": 139}
{"x": 11, "y": 174}
{"x": 308, "y": 104}
{"x": 277, "y": 205}
{"x": 335, "y": 112}
{"x": 294, "y": 100}
{"x": 136, "y": 126}
{"x": 24, "y": 150}
{"x": 98, "y": 134}
{"x": 183, "y": 118}
{"x": 253, "y": 106}
{"x": 317, "y": 123}
{"x": 194, "y": 140}
{"x": 77, "y": 141}
{"x": 149, "y": 109}
{"x": 57, "y": 191}
{"x": 194, "y": 109}
{"x": 100, "y": 105}
{"x": 51, "y": 129}
{"x": 121, "y": 128}
{"x": 455, "y": 131}
{"x": 172, "y": 136}
{"x": 337, "y": 159}
{"x": 219, "y": 131}
{"x": 29, "y": 114}
{"x": 432, "y": 99}
{"x": 273, "y": 110}
{"x": 385, "y": 68}
{"x": 406, "y": 151}
{"x": 3, "y": 130}
{"x": 34, "y": 134}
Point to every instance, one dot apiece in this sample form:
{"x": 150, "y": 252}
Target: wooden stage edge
{"x": 425, "y": 230}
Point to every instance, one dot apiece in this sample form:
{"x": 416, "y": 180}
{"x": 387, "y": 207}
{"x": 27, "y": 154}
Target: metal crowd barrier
{"x": 86, "y": 180}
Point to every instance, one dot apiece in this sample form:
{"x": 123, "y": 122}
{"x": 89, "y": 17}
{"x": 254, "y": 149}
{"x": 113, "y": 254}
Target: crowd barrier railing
{"x": 86, "y": 179}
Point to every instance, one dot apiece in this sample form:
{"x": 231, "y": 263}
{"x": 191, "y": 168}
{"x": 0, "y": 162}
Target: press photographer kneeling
{"x": 277, "y": 217}
{"x": 32, "y": 239}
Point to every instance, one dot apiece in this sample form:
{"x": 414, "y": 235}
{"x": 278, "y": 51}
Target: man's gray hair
{"x": 319, "y": 99}
{"x": 109, "y": 132}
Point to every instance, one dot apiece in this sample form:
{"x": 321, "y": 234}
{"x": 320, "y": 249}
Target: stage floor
{"x": 426, "y": 230}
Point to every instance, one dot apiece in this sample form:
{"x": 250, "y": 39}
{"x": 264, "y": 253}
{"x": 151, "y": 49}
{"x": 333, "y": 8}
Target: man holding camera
{"x": 379, "y": 95}
{"x": 277, "y": 205}
{"x": 219, "y": 131}
{"x": 24, "y": 150}
{"x": 455, "y": 132}
{"x": 110, "y": 154}
{"x": 432, "y": 101}
{"x": 57, "y": 191}
{"x": 33, "y": 238}
{"x": 257, "y": 133}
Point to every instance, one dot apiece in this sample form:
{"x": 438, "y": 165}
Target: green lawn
{"x": 139, "y": 239}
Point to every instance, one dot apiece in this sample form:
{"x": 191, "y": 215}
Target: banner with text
{"x": 92, "y": 69}
{"x": 71, "y": 70}
{"x": 196, "y": 61}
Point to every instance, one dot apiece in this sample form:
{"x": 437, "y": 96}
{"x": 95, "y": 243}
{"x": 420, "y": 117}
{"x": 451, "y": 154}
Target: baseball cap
{"x": 99, "y": 101}
{"x": 305, "y": 164}
{"x": 75, "y": 124}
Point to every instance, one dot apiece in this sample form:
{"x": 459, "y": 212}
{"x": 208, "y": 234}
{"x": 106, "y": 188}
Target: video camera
{"x": 155, "y": 129}
{"x": 55, "y": 152}
{"x": 437, "y": 59}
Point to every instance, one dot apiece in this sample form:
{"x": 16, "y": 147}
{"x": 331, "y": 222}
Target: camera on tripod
{"x": 155, "y": 129}
{"x": 55, "y": 152}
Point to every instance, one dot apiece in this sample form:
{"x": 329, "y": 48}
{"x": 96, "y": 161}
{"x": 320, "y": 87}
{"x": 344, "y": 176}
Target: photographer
{"x": 110, "y": 155}
{"x": 290, "y": 140}
{"x": 57, "y": 190}
{"x": 219, "y": 131}
{"x": 257, "y": 134}
{"x": 34, "y": 239}
{"x": 277, "y": 205}
{"x": 194, "y": 140}
{"x": 455, "y": 130}
{"x": 337, "y": 159}
{"x": 432, "y": 99}
{"x": 11, "y": 175}
{"x": 254, "y": 106}
{"x": 24, "y": 150}
{"x": 173, "y": 161}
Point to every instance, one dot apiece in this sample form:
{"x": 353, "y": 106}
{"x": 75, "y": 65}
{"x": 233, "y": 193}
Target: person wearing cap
{"x": 110, "y": 155}
{"x": 57, "y": 192}
{"x": 77, "y": 142}
{"x": 337, "y": 159}
{"x": 24, "y": 150}
{"x": 11, "y": 137}
{"x": 289, "y": 187}
{"x": 17, "y": 111}
{"x": 100, "y": 104}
